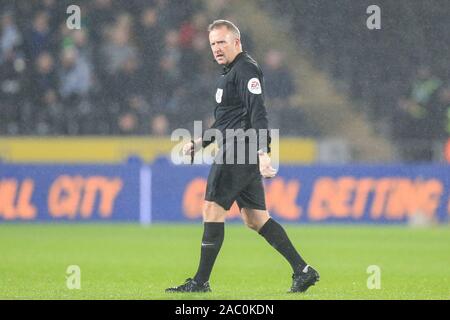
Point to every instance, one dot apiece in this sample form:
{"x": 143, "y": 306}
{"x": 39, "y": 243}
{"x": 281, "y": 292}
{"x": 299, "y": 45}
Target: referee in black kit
{"x": 239, "y": 105}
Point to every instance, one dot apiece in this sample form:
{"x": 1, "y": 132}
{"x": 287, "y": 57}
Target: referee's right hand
{"x": 188, "y": 148}
{"x": 265, "y": 166}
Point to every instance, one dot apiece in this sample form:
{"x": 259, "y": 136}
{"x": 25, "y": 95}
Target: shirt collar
{"x": 228, "y": 67}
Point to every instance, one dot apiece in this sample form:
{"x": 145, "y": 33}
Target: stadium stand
{"x": 133, "y": 68}
{"x": 139, "y": 68}
{"x": 399, "y": 75}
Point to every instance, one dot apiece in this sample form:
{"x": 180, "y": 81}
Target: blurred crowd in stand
{"x": 134, "y": 67}
{"x": 400, "y": 73}
{"x": 145, "y": 67}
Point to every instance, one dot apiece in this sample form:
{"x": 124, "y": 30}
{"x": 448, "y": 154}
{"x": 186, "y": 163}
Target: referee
{"x": 239, "y": 106}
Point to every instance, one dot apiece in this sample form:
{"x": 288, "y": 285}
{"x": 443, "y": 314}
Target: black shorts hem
{"x": 223, "y": 203}
{"x": 254, "y": 207}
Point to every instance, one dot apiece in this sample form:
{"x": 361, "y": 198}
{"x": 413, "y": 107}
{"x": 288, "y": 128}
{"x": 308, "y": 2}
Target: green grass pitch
{"x": 125, "y": 261}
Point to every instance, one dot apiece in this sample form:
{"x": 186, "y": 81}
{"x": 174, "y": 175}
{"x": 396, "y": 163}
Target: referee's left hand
{"x": 265, "y": 166}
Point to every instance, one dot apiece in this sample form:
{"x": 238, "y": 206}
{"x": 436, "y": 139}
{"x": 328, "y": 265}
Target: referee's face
{"x": 225, "y": 45}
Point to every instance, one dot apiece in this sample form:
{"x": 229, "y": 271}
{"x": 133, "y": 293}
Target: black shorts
{"x": 236, "y": 182}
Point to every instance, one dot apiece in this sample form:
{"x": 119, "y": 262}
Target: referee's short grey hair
{"x": 225, "y": 23}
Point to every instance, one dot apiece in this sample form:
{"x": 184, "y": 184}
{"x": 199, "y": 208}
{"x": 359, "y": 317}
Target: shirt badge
{"x": 254, "y": 86}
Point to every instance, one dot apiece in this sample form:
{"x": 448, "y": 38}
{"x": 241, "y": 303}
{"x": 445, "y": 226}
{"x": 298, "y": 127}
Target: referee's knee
{"x": 255, "y": 219}
{"x": 212, "y": 212}
{"x": 251, "y": 225}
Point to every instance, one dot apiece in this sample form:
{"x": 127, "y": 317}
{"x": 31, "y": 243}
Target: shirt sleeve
{"x": 250, "y": 85}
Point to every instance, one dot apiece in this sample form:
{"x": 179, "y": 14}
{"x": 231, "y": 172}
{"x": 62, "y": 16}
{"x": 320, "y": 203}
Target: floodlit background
{"x": 361, "y": 99}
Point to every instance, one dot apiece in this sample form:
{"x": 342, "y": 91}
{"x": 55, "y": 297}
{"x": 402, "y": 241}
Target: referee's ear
{"x": 239, "y": 43}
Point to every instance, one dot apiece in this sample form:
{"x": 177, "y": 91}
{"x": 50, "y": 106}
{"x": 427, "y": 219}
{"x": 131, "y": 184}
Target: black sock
{"x": 213, "y": 234}
{"x": 274, "y": 233}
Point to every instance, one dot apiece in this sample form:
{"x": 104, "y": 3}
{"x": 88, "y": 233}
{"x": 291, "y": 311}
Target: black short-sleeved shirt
{"x": 239, "y": 100}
